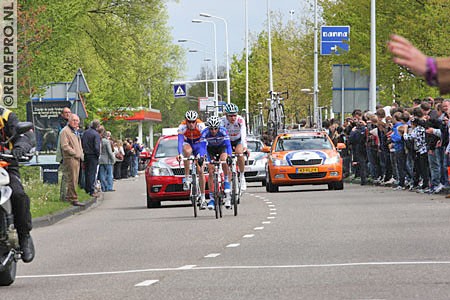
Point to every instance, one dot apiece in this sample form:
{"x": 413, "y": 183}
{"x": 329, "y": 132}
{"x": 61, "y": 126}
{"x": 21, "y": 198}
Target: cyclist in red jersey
{"x": 189, "y": 133}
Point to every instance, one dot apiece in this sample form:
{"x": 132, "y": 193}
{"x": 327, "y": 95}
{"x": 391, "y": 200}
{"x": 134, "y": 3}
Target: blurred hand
{"x": 179, "y": 157}
{"x": 405, "y": 54}
{"x": 17, "y": 152}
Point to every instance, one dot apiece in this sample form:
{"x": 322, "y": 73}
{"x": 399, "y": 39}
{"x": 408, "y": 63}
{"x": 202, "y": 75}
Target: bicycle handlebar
{"x": 272, "y": 93}
{"x": 8, "y": 157}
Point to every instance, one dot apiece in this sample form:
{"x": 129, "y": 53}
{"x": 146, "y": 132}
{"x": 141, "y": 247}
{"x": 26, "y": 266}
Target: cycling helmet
{"x": 191, "y": 115}
{"x": 213, "y": 122}
{"x": 231, "y": 108}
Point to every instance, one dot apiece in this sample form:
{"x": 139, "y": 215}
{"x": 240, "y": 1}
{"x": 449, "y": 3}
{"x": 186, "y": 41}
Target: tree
{"x": 427, "y": 29}
{"x": 123, "y": 47}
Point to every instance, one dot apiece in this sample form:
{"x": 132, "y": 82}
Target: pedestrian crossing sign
{"x": 179, "y": 90}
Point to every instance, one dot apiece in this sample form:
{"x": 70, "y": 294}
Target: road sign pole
{"x": 316, "y": 68}
{"x": 342, "y": 94}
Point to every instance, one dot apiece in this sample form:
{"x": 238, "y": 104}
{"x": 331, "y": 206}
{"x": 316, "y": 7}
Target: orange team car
{"x": 303, "y": 157}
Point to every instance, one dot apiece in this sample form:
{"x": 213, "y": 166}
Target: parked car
{"x": 255, "y": 169}
{"x": 164, "y": 175}
{"x": 303, "y": 157}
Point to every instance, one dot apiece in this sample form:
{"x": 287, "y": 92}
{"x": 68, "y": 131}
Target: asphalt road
{"x": 301, "y": 243}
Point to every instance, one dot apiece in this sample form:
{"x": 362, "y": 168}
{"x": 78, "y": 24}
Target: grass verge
{"x": 44, "y": 198}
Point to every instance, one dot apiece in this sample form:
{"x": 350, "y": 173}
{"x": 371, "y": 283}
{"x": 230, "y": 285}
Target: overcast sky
{"x": 182, "y": 13}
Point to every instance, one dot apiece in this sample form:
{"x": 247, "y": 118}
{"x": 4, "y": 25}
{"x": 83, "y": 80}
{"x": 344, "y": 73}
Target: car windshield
{"x": 303, "y": 143}
{"x": 254, "y": 146}
{"x": 167, "y": 148}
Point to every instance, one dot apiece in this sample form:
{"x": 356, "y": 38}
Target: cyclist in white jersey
{"x": 237, "y": 130}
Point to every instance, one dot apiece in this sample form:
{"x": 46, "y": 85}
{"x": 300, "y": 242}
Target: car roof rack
{"x": 303, "y": 130}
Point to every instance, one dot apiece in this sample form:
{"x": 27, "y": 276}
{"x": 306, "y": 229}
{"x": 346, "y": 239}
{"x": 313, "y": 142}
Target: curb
{"x": 58, "y": 216}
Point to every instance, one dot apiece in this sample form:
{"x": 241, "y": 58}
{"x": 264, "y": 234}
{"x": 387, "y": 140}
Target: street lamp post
{"x": 206, "y": 59}
{"x": 246, "y": 64}
{"x": 216, "y": 99}
{"x": 269, "y": 46}
{"x": 316, "y": 69}
{"x": 226, "y": 43}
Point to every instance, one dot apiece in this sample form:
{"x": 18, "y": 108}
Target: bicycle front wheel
{"x": 234, "y": 193}
{"x": 194, "y": 193}
{"x": 216, "y": 195}
{"x": 281, "y": 116}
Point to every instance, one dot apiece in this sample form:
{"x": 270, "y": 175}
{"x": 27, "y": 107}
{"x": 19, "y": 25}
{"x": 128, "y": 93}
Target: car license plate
{"x": 307, "y": 170}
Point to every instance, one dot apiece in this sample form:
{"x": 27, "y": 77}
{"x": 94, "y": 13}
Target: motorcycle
{"x": 9, "y": 239}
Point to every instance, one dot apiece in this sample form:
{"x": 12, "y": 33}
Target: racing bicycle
{"x": 195, "y": 192}
{"x": 276, "y": 117}
{"x": 219, "y": 193}
{"x": 236, "y": 191}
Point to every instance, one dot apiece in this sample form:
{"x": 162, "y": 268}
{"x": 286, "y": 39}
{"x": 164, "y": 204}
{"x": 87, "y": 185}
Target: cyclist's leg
{"x": 225, "y": 168}
{"x": 209, "y": 155}
{"x": 227, "y": 177}
{"x": 239, "y": 150}
{"x": 201, "y": 175}
{"x": 241, "y": 164}
{"x": 187, "y": 151}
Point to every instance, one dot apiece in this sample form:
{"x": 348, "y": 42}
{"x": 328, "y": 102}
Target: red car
{"x": 164, "y": 175}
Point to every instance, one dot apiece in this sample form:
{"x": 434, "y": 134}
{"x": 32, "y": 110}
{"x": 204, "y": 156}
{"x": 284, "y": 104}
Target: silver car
{"x": 255, "y": 166}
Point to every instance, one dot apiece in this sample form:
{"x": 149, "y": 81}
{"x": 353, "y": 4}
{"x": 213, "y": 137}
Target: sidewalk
{"x": 56, "y": 217}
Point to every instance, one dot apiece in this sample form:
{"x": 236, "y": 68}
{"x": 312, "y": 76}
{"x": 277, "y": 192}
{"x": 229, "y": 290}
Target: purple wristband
{"x": 431, "y": 74}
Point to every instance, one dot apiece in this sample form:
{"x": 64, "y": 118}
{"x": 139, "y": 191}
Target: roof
{"x": 134, "y": 115}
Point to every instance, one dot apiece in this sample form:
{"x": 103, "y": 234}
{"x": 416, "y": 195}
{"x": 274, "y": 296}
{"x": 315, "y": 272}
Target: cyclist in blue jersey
{"x": 189, "y": 144}
{"x": 218, "y": 147}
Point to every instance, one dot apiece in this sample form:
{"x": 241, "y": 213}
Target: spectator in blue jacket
{"x": 399, "y": 148}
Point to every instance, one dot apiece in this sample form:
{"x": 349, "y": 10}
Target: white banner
{"x": 204, "y": 102}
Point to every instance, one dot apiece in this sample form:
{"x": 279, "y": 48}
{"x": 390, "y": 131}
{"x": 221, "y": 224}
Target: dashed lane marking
{"x": 247, "y": 236}
{"x": 212, "y": 255}
{"x": 146, "y": 283}
{"x": 273, "y": 213}
{"x": 258, "y": 228}
{"x": 273, "y": 209}
{"x": 187, "y": 267}
{"x": 266, "y": 222}
{"x": 270, "y": 218}
{"x": 271, "y": 205}
{"x": 233, "y": 245}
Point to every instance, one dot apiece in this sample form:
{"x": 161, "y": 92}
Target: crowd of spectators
{"x": 403, "y": 147}
{"x": 104, "y": 160}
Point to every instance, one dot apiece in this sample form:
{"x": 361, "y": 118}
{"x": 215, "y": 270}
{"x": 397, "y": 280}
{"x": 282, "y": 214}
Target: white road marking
{"x": 211, "y": 255}
{"x": 273, "y": 209}
{"x": 266, "y": 222}
{"x": 233, "y": 245}
{"x": 270, "y": 218}
{"x": 271, "y": 205}
{"x": 273, "y": 213}
{"x": 187, "y": 267}
{"x": 268, "y": 202}
{"x": 248, "y": 236}
{"x": 146, "y": 283}
{"x": 258, "y": 228}
{"x": 334, "y": 265}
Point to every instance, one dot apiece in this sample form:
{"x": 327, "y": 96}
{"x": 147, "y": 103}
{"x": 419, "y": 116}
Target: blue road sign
{"x": 179, "y": 90}
{"x": 333, "y": 38}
